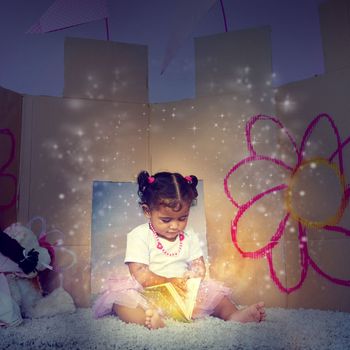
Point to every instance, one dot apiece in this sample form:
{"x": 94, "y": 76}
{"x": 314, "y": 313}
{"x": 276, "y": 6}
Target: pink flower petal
{"x": 280, "y": 142}
{"x": 311, "y": 148}
{"x": 341, "y": 254}
{"x": 8, "y": 198}
{"x": 345, "y": 149}
{"x": 235, "y": 180}
{"x": 304, "y": 263}
{"x": 260, "y": 252}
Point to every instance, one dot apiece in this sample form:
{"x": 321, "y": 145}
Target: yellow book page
{"x": 191, "y": 296}
{"x": 162, "y": 296}
{"x": 166, "y": 297}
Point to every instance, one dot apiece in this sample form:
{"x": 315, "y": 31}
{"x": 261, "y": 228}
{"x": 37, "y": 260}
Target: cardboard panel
{"x": 335, "y": 29}
{"x": 73, "y": 143}
{"x": 105, "y": 70}
{"x": 234, "y": 62}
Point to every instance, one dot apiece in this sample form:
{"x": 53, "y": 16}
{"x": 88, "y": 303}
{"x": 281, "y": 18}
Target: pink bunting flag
{"x": 188, "y": 16}
{"x": 69, "y": 13}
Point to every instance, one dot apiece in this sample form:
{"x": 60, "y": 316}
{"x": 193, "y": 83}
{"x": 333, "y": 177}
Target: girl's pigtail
{"x": 142, "y": 180}
{"x": 194, "y": 183}
{"x": 194, "y": 180}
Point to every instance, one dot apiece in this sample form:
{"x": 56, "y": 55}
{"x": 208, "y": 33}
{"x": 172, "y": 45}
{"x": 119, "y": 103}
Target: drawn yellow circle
{"x": 332, "y": 220}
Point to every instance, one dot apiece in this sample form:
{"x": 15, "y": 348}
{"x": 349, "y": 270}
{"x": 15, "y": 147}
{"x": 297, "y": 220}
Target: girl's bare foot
{"x": 252, "y": 313}
{"x": 153, "y": 320}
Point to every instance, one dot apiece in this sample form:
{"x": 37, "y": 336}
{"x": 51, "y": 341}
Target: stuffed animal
{"x": 21, "y": 258}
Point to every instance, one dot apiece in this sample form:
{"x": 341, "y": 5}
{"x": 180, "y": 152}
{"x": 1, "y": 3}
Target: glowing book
{"x": 166, "y": 297}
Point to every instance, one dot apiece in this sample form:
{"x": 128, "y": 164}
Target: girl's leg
{"x": 149, "y": 318}
{"x": 226, "y": 310}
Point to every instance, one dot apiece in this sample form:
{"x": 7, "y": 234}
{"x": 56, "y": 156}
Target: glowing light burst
{"x": 331, "y": 223}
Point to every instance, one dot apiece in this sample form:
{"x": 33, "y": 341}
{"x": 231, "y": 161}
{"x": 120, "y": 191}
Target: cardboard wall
{"x": 234, "y": 62}
{"x": 70, "y": 142}
{"x": 105, "y": 70}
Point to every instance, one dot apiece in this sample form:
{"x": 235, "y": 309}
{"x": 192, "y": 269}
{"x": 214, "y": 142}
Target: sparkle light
{"x": 194, "y": 128}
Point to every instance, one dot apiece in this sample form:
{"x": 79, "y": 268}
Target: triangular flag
{"x": 69, "y": 13}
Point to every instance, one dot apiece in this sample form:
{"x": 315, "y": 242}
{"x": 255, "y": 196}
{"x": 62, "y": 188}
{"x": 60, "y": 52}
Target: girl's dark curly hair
{"x": 168, "y": 189}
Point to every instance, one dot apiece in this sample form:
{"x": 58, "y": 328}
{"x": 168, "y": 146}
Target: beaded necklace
{"x": 160, "y": 245}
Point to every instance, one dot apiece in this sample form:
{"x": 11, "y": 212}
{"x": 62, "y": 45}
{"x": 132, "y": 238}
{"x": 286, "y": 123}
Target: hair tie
{"x": 188, "y": 179}
{"x": 151, "y": 179}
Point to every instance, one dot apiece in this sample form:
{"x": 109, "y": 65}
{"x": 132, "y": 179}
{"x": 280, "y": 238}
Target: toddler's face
{"x": 167, "y": 222}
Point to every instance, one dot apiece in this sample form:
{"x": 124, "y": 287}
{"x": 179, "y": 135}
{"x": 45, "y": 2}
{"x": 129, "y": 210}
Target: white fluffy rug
{"x": 283, "y": 329}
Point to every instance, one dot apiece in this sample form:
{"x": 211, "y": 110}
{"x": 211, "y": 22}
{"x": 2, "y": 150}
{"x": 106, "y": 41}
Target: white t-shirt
{"x": 141, "y": 247}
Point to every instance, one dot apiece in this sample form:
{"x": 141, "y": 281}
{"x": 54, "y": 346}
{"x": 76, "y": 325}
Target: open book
{"x": 167, "y": 298}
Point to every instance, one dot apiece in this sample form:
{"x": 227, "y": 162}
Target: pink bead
{"x": 160, "y": 246}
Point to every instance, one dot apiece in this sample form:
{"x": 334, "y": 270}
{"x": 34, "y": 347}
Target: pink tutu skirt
{"x": 125, "y": 291}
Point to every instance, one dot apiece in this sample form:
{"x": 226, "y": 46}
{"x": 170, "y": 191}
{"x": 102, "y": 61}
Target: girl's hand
{"x": 197, "y": 268}
{"x": 189, "y": 274}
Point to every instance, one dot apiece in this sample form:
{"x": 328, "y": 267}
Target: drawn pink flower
{"x": 335, "y": 160}
{"x": 10, "y": 179}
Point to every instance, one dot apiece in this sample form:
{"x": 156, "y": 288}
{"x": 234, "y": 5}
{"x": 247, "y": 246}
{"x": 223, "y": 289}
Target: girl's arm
{"x": 144, "y": 276}
{"x": 147, "y": 278}
{"x": 197, "y": 268}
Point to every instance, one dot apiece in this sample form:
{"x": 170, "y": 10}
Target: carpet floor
{"x": 283, "y": 329}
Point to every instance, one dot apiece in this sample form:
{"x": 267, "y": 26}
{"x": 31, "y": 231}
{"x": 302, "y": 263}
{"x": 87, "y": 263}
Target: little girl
{"x": 162, "y": 250}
